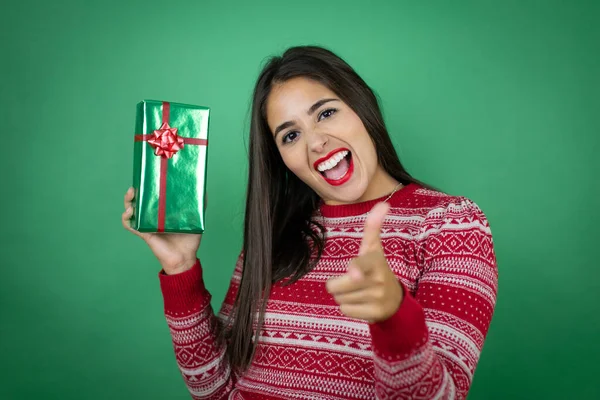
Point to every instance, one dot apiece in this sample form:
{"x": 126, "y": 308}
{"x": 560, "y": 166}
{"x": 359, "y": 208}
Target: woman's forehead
{"x": 294, "y": 96}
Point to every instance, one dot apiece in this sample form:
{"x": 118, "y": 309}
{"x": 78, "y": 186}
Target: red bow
{"x": 166, "y": 142}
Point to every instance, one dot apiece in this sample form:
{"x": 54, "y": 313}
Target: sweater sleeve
{"x": 192, "y": 325}
{"x": 429, "y": 349}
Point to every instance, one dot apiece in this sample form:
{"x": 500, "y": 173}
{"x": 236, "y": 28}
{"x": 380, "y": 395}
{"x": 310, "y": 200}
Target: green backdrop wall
{"x": 497, "y": 101}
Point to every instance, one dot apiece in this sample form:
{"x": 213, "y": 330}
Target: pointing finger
{"x": 372, "y": 230}
{"x": 364, "y": 265}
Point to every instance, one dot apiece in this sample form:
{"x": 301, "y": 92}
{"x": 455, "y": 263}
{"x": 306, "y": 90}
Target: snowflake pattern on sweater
{"x": 440, "y": 247}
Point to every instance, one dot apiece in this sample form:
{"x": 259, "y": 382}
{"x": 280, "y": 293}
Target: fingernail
{"x": 129, "y": 209}
{"x": 355, "y": 274}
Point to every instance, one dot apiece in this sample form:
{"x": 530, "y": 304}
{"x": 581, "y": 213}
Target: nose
{"x": 317, "y": 142}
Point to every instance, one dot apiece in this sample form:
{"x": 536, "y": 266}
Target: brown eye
{"x": 290, "y": 137}
{"x": 327, "y": 113}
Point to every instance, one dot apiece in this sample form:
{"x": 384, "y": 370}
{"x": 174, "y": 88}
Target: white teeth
{"x": 333, "y": 161}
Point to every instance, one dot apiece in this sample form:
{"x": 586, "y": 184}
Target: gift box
{"x": 169, "y": 171}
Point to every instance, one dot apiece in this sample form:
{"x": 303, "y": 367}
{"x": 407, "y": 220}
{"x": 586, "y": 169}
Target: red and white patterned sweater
{"x": 440, "y": 248}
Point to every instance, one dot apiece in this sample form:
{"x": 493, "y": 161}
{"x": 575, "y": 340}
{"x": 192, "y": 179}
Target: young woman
{"x": 355, "y": 280}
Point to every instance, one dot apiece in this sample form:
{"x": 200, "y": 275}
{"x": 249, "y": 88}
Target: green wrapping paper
{"x": 169, "y": 171}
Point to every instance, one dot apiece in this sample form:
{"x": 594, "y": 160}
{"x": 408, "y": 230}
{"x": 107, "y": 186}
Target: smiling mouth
{"x": 337, "y": 167}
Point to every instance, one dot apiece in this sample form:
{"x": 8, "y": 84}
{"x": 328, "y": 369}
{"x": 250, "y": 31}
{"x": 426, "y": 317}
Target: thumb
{"x": 355, "y": 272}
{"x": 372, "y": 230}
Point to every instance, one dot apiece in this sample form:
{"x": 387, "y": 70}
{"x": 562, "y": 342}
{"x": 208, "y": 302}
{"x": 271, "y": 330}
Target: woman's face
{"x": 324, "y": 143}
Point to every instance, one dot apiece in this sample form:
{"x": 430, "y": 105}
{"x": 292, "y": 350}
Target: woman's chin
{"x": 351, "y": 194}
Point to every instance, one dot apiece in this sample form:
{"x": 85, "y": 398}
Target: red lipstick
{"x": 328, "y": 156}
{"x": 347, "y": 175}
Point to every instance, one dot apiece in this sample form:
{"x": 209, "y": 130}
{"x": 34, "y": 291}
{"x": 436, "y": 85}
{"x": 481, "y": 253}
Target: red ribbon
{"x": 166, "y": 143}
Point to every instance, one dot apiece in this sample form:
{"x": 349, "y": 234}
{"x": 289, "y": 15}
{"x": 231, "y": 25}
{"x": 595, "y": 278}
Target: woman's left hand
{"x": 370, "y": 289}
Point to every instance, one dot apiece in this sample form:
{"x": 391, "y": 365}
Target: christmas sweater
{"x": 441, "y": 250}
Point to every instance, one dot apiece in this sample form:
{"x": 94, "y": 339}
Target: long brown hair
{"x": 279, "y": 234}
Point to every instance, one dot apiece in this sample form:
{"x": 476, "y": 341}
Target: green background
{"x": 497, "y": 101}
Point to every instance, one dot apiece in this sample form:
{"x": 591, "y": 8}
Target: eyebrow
{"x": 310, "y": 111}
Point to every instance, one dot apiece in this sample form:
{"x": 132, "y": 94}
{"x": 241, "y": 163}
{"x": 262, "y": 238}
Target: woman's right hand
{"x": 176, "y": 252}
